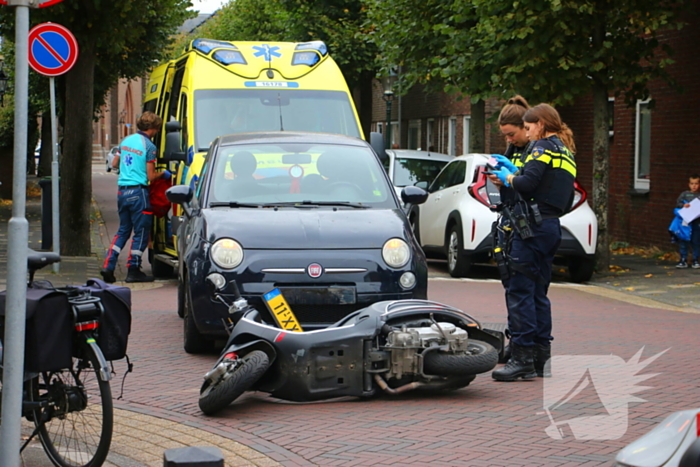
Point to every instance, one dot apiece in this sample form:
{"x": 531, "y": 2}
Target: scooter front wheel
{"x": 217, "y": 395}
{"x": 480, "y": 358}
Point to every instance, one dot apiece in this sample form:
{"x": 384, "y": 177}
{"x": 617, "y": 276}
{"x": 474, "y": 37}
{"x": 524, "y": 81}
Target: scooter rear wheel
{"x": 482, "y": 357}
{"x": 218, "y": 395}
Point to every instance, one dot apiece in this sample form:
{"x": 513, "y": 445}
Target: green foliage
{"x": 548, "y": 50}
{"x": 128, "y": 35}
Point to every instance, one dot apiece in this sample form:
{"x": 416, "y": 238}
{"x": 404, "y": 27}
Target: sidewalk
{"x": 139, "y": 440}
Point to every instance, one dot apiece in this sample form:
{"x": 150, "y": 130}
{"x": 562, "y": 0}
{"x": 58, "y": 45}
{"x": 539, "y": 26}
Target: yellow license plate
{"x": 281, "y": 311}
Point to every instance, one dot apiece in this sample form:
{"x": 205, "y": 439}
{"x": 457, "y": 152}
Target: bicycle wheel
{"x": 75, "y": 421}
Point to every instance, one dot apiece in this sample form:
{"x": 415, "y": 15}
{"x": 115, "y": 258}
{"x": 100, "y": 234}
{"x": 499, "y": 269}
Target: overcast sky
{"x": 207, "y": 6}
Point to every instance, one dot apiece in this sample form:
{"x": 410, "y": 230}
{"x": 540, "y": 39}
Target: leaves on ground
{"x": 649, "y": 275}
{"x": 615, "y": 268}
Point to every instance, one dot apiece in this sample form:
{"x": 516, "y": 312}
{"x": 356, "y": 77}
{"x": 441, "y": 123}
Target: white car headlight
{"x": 227, "y": 253}
{"x": 396, "y": 253}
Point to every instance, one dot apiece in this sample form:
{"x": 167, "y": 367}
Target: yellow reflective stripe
{"x": 542, "y": 158}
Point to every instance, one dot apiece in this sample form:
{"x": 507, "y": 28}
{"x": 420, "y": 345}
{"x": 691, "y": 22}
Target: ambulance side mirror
{"x": 173, "y": 150}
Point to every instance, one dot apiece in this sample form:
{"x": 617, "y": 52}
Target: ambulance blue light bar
{"x": 310, "y": 58}
{"x": 207, "y": 45}
{"x": 229, "y": 57}
{"x": 318, "y": 46}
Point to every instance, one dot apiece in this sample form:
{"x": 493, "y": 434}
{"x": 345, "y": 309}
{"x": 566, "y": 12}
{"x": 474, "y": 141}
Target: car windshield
{"x": 298, "y": 175}
{"x": 411, "y": 171}
{"x": 225, "y": 111}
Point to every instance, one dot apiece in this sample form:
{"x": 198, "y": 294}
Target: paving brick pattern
{"x": 488, "y": 423}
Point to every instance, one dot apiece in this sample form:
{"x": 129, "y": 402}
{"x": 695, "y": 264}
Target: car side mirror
{"x": 182, "y": 195}
{"x": 413, "y": 195}
{"x": 376, "y": 140}
{"x": 173, "y": 150}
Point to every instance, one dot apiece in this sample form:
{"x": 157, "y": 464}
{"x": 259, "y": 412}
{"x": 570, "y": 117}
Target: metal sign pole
{"x": 54, "y": 174}
{"x": 18, "y": 239}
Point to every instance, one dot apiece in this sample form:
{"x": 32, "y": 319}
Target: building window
{"x": 466, "y": 143}
{"x": 380, "y": 127}
{"x": 642, "y": 146}
{"x": 611, "y": 116}
{"x": 413, "y": 134}
{"x": 395, "y": 135}
{"x": 429, "y": 138}
{"x": 452, "y": 137}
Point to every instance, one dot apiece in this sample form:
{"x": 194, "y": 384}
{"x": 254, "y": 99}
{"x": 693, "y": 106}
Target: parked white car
{"x": 110, "y": 157}
{"x": 456, "y": 221}
{"x": 409, "y": 166}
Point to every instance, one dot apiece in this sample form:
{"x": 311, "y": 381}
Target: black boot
{"x": 108, "y": 276}
{"x": 542, "y": 355}
{"x": 137, "y": 275}
{"x": 519, "y": 366}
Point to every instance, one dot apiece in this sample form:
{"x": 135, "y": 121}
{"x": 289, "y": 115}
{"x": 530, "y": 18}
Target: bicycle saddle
{"x": 39, "y": 259}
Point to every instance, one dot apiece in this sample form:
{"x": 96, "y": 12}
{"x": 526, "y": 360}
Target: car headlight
{"x": 396, "y": 253}
{"x": 227, "y": 253}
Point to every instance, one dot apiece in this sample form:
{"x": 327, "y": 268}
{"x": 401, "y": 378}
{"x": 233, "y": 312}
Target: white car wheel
{"x": 457, "y": 261}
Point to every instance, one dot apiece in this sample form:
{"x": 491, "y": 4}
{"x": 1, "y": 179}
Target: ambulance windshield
{"x": 224, "y": 111}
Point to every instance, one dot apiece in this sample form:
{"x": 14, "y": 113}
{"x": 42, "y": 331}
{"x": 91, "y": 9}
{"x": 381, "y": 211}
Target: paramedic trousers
{"x": 134, "y": 215}
{"x": 529, "y": 309}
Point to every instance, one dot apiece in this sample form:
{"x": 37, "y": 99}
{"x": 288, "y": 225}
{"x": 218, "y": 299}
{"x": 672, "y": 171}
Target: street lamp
{"x": 388, "y": 84}
{"x": 3, "y": 83}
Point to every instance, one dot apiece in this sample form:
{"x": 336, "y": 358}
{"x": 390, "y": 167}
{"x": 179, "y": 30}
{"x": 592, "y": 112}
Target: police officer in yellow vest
{"x": 545, "y": 184}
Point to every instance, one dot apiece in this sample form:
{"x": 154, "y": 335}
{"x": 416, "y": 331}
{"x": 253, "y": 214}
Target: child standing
{"x": 683, "y": 202}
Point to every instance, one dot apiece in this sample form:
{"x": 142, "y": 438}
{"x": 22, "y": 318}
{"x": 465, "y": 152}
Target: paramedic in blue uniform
{"x": 546, "y": 181}
{"x": 136, "y": 161}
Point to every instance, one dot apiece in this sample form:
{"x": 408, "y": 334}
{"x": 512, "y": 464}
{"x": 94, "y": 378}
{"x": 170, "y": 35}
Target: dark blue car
{"x": 311, "y": 214}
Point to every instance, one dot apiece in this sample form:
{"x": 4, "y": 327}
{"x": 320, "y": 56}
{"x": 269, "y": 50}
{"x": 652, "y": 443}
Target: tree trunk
{"x": 365, "y": 107}
{"x": 601, "y": 155}
{"x": 76, "y": 163}
{"x": 477, "y": 128}
{"x": 601, "y": 170}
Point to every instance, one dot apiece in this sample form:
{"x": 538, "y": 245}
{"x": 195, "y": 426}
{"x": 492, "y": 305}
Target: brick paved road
{"x": 486, "y": 424}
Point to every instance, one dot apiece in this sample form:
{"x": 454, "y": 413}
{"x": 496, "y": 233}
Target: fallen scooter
{"x": 390, "y": 346}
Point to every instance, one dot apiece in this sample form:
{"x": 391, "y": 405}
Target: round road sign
{"x": 53, "y": 49}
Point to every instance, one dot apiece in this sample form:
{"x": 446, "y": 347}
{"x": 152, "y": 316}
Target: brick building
{"x": 651, "y": 149}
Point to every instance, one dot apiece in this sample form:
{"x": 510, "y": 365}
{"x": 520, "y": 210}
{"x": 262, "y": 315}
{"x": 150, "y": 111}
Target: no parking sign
{"x": 53, "y": 49}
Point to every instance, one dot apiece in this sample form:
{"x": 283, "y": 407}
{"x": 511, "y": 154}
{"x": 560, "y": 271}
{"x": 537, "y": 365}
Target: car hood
{"x": 305, "y": 228}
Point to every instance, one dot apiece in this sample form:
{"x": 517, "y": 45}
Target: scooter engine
{"x": 405, "y": 345}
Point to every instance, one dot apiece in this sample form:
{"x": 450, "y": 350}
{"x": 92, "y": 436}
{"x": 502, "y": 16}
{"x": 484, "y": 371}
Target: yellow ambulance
{"x": 216, "y": 88}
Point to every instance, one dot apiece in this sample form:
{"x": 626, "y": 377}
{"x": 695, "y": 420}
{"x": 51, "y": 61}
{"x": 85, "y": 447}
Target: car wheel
{"x": 194, "y": 342}
{"x": 458, "y": 263}
{"x": 581, "y": 268}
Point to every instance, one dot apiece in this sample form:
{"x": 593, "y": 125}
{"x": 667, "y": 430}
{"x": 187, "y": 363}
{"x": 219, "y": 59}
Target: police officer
{"x": 136, "y": 161}
{"x": 545, "y": 184}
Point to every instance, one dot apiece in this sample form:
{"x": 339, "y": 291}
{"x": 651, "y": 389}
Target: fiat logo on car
{"x": 314, "y": 270}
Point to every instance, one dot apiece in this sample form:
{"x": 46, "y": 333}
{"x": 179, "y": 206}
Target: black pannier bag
{"x": 113, "y": 333}
{"x": 49, "y": 330}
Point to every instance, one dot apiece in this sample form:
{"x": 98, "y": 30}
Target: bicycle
{"x": 71, "y": 408}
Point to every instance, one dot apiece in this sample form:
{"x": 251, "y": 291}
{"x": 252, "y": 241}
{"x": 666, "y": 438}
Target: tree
{"x": 548, "y": 50}
{"x": 116, "y": 40}
{"x": 339, "y": 23}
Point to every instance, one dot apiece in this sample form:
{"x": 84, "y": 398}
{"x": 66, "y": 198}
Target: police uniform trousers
{"x": 529, "y": 309}
{"x": 134, "y": 214}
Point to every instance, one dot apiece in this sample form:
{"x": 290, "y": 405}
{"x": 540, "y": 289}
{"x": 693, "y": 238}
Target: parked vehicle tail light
{"x": 478, "y": 188}
{"x": 580, "y": 195}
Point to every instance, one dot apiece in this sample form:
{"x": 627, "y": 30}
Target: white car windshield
{"x": 296, "y": 173}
